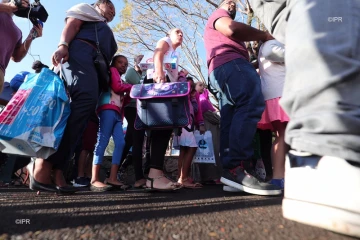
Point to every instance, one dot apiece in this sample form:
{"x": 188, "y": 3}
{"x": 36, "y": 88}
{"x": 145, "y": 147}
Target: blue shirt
{"x": 18, "y": 80}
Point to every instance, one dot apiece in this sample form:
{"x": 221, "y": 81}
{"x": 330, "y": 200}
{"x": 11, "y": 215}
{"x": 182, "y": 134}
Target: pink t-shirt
{"x": 219, "y": 48}
{"x": 10, "y": 36}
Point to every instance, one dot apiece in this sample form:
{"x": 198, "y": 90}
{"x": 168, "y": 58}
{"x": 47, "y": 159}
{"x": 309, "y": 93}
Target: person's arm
{"x": 240, "y": 31}
{"x": 22, "y": 49}
{"x": 10, "y": 7}
{"x": 161, "y": 48}
{"x": 138, "y": 69}
{"x": 116, "y": 84}
{"x": 69, "y": 32}
{"x": 274, "y": 52}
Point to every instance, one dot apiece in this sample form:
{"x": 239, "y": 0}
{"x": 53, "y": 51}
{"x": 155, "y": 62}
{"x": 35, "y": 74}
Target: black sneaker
{"x": 241, "y": 179}
{"x": 81, "y": 182}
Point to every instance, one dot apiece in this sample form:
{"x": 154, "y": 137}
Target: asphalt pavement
{"x": 207, "y": 213}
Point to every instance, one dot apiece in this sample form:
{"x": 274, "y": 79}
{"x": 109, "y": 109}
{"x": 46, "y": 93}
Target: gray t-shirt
{"x": 132, "y": 77}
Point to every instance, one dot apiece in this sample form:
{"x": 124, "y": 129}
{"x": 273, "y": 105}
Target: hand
{"x": 159, "y": 77}
{"x": 25, "y": 3}
{"x": 13, "y": 4}
{"x": 38, "y": 29}
{"x": 202, "y": 129}
{"x": 137, "y": 68}
{"x": 62, "y": 53}
{"x": 268, "y": 37}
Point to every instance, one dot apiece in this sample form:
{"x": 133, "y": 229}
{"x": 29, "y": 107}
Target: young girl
{"x": 187, "y": 139}
{"x": 272, "y": 73}
{"x": 110, "y": 111}
{"x": 210, "y": 173}
{"x": 156, "y": 180}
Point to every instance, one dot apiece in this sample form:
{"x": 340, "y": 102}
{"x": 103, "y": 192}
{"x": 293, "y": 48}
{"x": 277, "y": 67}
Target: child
{"x": 110, "y": 108}
{"x": 187, "y": 140}
{"x": 272, "y": 73}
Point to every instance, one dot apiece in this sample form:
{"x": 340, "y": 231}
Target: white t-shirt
{"x": 272, "y": 68}
{"x": 172, "y": 72}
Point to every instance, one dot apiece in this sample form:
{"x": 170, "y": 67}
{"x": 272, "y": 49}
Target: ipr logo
{"x": 335, "y": 19}
{"x": 22, "y": 221}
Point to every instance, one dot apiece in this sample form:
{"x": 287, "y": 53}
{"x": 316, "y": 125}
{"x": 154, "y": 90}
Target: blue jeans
{"x": 321, "y": 91}
{"x": 110, "y": 124}
{"x": 241, "y": 106}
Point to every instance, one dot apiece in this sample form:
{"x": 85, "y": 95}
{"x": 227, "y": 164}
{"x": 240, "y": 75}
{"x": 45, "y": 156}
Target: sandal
{"x": 189, "y": 184}
{"x": 23, "y": 177}
{"x": 171, "y": 186}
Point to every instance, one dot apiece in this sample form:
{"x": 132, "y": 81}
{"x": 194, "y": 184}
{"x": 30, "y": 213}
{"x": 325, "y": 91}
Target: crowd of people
{"x": 310, "y": 106}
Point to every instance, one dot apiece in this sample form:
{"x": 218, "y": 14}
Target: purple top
{"x": 205, "y": 102}
{"x": 219, "y": 48}
{"x": 10, "y": 36}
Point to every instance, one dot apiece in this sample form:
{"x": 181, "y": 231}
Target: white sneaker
{"x": 230, "y": 189}
{"x": 323, "y": 192}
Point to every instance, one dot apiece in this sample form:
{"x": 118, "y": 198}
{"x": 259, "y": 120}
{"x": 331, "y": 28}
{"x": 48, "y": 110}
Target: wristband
{"x": 64, "y": 44}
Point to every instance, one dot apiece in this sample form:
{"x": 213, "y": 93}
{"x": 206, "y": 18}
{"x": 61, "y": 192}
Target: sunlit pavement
{"x": 207, "y": 213}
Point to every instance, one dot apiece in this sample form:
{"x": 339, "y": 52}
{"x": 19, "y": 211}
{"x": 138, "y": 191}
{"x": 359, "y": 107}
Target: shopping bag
{"x": 205, "y": 150}
{"x": 34, "y": 120}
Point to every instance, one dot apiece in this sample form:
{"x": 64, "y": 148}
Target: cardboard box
{"x": 147, "y": 62}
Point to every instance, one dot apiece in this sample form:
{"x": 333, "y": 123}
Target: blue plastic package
{"x": 34, "y": 120}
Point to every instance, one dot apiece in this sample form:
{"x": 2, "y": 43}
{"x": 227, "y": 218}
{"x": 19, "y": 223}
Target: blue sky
{"x": 42, "y": 48}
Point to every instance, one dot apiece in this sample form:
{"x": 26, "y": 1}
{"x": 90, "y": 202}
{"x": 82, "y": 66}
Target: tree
{"x": 144, "y": 22}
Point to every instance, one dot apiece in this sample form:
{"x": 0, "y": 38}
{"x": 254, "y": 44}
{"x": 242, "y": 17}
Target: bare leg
{"x": 42, "y": 171}
{"x": 89, "y": 161}
{"x": 184, "y": 175}
{"x": 279, "y": 150}
{"x": 181, "y": 159}
{"x": 189, "y": 155}
{"x": 113, "y": 175}
{"x": 95, "y": 179}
